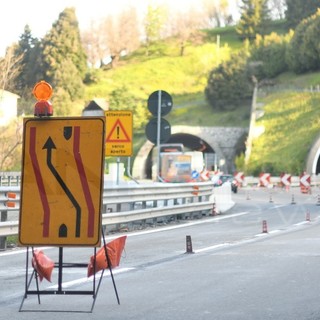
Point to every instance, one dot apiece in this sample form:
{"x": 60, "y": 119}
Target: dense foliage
{"x": 229, "y": 84}
{"x": 269, "y": 56}
{"x": 303, "y": 52}
{"x": 65, "y": 63}
{"x": 268, "y": 53}
{"x": 297, "y": 10}
{"x": 254, "y": 17}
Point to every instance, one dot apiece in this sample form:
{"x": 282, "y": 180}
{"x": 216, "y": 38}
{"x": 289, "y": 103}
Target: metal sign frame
{"x": 62, "y": 181}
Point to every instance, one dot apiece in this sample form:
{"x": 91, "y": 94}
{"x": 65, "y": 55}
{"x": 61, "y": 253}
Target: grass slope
{"x": 291, "y": 117}
{"x": 291, "y": 123}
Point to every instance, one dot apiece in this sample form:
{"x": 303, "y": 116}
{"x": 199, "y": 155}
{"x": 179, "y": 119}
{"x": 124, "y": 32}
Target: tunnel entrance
{"x": 190, "y": 143}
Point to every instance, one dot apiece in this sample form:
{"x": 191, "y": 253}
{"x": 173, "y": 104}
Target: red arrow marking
{"x": 42, "y": 191}
{"x": 84, "y": 181}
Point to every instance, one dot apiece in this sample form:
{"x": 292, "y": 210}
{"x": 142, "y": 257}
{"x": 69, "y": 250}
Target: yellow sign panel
{"x": 119, "y": 133}
{"x": 62, "y": 181}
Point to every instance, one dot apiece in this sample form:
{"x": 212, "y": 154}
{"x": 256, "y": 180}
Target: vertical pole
{"x": 118, "y": 170}
{"x": 60, "y": 269}
{"x": 252, "y": 121}
{"x": 3, "y": 240}
{"x": 158, "y": 135}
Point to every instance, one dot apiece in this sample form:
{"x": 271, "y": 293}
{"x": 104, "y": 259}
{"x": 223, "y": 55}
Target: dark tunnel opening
{"x": 190, "y": 143}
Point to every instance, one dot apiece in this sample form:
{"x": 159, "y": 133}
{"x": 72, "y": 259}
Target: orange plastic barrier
{"x": 11, "y": 195}
{"x": 114, "y": 251}
{"x": 10, "y": 204}
{"x": 42, "y": 264}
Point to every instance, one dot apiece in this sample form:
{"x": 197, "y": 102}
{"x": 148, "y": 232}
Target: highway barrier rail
{"x": 130, "y": 206}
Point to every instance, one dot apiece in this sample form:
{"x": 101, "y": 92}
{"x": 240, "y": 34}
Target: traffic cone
{"x": 270, "y": 197}
{"x": 292, "y": 200}
{"x": 318, "y": 201}
{"x": 189, "y": 245}
{"x": 308, "y": 216}
{"x": 264, "y": 226}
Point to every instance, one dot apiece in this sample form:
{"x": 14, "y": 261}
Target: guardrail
{"x": 10, "y": 178}
{"x": 133, "y": 206}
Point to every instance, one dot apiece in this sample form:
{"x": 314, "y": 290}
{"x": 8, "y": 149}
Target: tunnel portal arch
{"x": 313, "y": 158}
{"x": 222, "y": 143}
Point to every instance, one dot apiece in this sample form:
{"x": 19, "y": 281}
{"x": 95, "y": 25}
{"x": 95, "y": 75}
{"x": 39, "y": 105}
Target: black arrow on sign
{"x": 49, "y": 145}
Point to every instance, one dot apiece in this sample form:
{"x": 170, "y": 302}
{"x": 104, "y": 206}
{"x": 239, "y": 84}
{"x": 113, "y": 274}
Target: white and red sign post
{"x": 264, "y": 179}
{"x": 285, "y": 179}
{"x": 239, "y": 177}
{"x": 305, "y": 182}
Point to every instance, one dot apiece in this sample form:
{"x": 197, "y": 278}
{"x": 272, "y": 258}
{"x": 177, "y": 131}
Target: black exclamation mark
{"x": 118, "y": 131}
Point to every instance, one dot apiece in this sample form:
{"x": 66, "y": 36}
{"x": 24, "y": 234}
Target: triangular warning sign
{"x": 118, "y": 133}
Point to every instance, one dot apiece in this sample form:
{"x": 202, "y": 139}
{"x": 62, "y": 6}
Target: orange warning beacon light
{"x": 42, "y": 91}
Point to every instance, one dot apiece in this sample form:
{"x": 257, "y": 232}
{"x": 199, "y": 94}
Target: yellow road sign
{"x": 62, "y": 181}
{"x": 119, "y": 133}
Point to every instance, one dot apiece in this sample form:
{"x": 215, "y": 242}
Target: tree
{"x": 254, "y": 16}
{"x": 93, "y": 40}
{"x": 268, "y": 55}
{"x": 121, "y": 34}
{"x": 185, "y": 26}
{"x": 298, "y": 10}
{"x": 229, "y": 85}
{"x": 122, "y": 99}
{"x": 153, "y": 24}
{"x": 217, "y": 12}
{"x": 65, "y": 61}
{"x": 303, "y": 53}
{"x": 9, "y": 69}
{"x": 10, "y": 143}
{"x": 31, "y": 64}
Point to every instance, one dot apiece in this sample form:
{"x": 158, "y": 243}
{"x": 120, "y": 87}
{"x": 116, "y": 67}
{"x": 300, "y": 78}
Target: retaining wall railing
{"x": 130, "y": 206}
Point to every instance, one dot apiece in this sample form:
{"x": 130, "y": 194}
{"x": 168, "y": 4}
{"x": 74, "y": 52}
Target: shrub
{"x": 229, "y": 85}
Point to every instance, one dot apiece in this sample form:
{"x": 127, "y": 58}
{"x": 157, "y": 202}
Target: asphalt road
{"x": 236, "y": 271}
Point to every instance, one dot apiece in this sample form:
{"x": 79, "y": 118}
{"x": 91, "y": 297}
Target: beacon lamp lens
{"x": 42, "y": 91}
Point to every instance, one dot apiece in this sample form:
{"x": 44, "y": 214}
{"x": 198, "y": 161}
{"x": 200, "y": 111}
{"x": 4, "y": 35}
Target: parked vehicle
{"x": 220, "y": 179}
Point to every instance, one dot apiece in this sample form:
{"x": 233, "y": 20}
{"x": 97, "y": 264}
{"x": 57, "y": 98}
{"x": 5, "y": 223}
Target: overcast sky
{"x": 41, "y": 14}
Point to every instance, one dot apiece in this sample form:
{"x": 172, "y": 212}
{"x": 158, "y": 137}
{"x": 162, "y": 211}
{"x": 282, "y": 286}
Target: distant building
{"x": 8, "y": 107}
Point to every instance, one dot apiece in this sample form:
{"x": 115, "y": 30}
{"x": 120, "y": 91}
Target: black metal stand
{"x": 60, "y": 291}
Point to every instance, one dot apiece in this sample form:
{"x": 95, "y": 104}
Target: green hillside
{"x": 290, "y": 119}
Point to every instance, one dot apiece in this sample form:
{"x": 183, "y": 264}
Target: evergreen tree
{"x": 254, "y": 17}
{"x": 297, "y": 10}
{"x": 30, "y": 65}
{"x": 303, "y": 52}
{"x": 65, "y": 59}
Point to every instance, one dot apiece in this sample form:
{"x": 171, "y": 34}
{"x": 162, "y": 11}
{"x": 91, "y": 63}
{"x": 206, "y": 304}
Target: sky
{"x": 41, "y": 14}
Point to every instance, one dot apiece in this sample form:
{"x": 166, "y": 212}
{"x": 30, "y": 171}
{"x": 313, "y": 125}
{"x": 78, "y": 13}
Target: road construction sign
{"x": 119, "y": 133}
{"x": 62, "y": 181}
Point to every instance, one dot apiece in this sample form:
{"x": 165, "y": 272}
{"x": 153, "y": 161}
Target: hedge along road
{"x": 235, "y": 272}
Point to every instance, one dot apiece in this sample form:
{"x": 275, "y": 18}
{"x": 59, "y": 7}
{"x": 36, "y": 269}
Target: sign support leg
{"x": 28, "y": 281}
{"x": 110, "y": 268}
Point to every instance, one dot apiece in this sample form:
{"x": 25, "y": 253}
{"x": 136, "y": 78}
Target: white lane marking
{"x": 142, "y": 232}
{"x": 263, "y": 234}
{"x": 69, "y": 284}
{"x": 184, "y": 225}
{"x": 22, "y": 250}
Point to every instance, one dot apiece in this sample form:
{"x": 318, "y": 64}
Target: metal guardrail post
{"x": 3, "y": 240}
